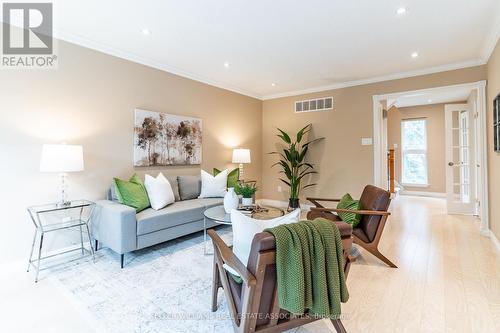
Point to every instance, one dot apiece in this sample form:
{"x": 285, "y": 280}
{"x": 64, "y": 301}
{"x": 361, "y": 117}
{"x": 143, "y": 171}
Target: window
{"x": 414, "y": 151}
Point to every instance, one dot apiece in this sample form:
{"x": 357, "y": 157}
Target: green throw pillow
{"x": 347, "y": 202}
{"x": 232, "y": 177}
{"x": 132, "y": 193}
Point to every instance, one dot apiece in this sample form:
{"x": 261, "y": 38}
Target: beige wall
{"x": 90, "y": 100}
{"x": 493, "y": 157}
{"x": 344, "y": 164}
{"x": 434, "y": 115}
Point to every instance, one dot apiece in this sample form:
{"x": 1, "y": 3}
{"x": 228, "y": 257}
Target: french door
{"x": 460, "y": 159}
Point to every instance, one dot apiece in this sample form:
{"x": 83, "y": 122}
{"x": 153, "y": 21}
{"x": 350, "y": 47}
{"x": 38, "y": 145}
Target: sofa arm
{"x": 115, "y": 225}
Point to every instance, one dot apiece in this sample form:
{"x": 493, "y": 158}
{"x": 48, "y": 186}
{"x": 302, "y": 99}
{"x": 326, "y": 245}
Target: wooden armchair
{"x": 375, "y": 202}
{"x": 253, "y": 304}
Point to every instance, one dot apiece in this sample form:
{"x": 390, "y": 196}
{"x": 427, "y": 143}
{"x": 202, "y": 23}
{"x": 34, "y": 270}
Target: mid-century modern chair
{"x": 253, "y": 304}
{"x": 374, "y": 202}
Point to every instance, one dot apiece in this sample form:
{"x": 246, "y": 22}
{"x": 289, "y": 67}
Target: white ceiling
{"x": 301, "y": 46}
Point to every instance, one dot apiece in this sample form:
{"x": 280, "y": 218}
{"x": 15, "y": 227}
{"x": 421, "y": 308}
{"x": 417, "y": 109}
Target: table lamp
{"x": 62, "y": 159}
{"x": 241, "y": 156}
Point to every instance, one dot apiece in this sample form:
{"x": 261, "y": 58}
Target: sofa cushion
{"x": 178, "y": 213}
{"x": 189, "y": 187}
{"x": 347, "y": 202}
{"x": 233, "y": 177}
{"x": 211, "y": 202}
{"x": 175, "y": 186}
{"x": 159, "y": 190}
{"x": 132, "y": 193}
{"x": 111, "y": 195}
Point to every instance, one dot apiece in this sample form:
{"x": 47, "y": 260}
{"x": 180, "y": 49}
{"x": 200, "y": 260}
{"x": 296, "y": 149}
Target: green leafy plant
{"x": 293, "y": 162}
{"x": 246, "y": 190}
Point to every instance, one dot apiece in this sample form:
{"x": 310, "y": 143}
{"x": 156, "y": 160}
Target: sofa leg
{"x": 96, "y": 244}
{"x": 121, "y": 259}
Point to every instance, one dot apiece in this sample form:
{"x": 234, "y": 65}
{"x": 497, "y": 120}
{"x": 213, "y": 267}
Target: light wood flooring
{"x": 448, "y": 278}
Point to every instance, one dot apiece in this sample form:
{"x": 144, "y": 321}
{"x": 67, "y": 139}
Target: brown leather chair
{"x": 374, "y": 202}
{"x": 253, "y": 304}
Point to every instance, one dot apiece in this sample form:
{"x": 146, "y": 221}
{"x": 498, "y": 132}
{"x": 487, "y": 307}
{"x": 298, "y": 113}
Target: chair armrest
{"x": 230, "y": 259}
{"x": 317, "y": 204}
{"x": 115, "y": 226}
{"x": 360, "y": 212}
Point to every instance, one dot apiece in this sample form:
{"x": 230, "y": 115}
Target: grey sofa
{"x": 119, "y": 228}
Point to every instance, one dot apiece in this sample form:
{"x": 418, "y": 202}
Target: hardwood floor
{"x": 448, "y": 278}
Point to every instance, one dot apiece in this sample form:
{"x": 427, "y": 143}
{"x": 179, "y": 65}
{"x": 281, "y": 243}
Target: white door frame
{"x": 380, "y": 143}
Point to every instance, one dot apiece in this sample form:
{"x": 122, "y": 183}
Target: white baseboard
{"x": 424, "y": 194}
{"x": 494, "y": 240}
{"x": 280, "y": 204}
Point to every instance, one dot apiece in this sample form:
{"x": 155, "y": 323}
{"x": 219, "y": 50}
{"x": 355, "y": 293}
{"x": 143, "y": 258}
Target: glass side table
{"x": 78, "y": 215}
{"x": 218, "y": 215}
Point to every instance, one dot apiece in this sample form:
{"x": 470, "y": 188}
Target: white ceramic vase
{"x": 247, "y": 201}
{"x": 231, "y": 200}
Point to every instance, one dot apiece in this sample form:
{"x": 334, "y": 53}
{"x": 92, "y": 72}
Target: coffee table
{"x": 218, "y": 215}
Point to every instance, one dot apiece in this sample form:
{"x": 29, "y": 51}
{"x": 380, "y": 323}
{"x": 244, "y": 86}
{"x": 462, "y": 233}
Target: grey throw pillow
{"x": 189, "y": 187}
{"x": 175, "y": 186}
{"x": 112, "y": 193}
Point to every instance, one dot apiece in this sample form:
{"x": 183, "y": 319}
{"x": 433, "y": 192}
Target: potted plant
{"x": 293, "y": 163}
{"x": 247, "y": 191}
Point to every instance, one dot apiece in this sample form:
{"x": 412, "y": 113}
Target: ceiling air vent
{"x": 312, "y": 105}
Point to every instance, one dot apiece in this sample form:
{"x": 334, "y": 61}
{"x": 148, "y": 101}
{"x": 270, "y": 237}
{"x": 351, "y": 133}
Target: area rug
{"x": 164, "y": 288}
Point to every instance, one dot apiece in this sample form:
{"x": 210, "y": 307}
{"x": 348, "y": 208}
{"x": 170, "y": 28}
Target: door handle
{"x": 451, "y": 163}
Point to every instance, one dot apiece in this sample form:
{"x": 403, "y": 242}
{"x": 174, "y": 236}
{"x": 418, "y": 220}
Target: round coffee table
{"x": 218, "y": 215}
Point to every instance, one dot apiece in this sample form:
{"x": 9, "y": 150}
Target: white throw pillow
{"x": 245, "y": 228}
{"x": 159, "y": 191}
{"x": 213, "y": 186}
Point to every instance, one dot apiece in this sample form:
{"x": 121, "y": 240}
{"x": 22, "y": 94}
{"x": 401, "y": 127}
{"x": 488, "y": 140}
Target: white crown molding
{"x": 488, "y": 48}
{"x": 85, "y": 42}
{"x": 396, "y": 76}
{"x": 492, "y": 39}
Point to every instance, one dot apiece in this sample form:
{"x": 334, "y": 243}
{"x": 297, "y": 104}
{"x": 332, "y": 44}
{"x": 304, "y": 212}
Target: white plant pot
{"x": 247, "y": 201}
{"x": 231, "y": 200}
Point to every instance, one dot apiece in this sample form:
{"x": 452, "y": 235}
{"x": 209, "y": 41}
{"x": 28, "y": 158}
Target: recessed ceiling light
{"x": 401, "y": 10}
{"x": 429, "y": 101}
{"x": 226, "y": 64}
{"x": 273, "y": 84}
{"x": 414, "y": 55}
{"x": 146, "y": 32}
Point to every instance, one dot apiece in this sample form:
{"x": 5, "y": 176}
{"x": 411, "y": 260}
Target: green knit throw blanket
{"x": 309, "y": 268}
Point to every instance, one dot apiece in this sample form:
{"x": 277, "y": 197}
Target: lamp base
{"x": 241, "y": 172}
{"x": 61, "y": 204}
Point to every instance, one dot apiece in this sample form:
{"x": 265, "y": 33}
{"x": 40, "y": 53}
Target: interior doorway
{"x": 459, "y": 173}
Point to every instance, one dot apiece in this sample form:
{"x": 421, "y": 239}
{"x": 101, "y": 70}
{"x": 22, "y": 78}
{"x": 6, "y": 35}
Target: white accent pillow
{"x": 159, "y": 191}
{"x": 245, "y": 228}
{"x": 213, "y": 186}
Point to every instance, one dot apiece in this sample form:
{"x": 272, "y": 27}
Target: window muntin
{"x": 414, "y": 151}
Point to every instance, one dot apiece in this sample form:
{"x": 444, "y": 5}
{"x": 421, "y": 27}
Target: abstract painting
{"x": 166, "y": 139}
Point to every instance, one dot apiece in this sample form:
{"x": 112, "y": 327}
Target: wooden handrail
{"x": 391, "y": 169}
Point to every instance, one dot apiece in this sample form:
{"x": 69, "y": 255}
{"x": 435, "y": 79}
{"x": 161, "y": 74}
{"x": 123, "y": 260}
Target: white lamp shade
{"x": 61, "y": 158}
{"x": 241, "y": 156}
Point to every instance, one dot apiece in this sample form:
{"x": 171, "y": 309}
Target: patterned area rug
{"x": 164, "y": 288}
